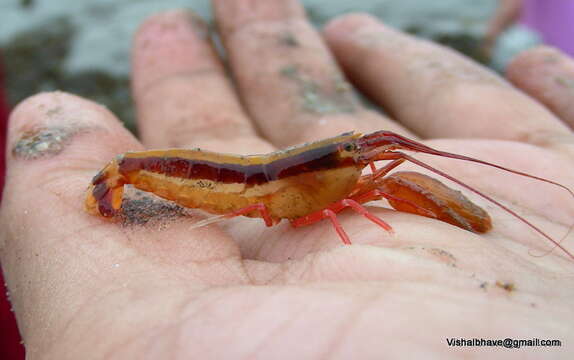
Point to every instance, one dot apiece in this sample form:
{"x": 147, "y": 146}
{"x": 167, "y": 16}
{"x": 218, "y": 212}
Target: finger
{"x": 433, "y": 90}
{"x": 547, "y": 75}
{"x": 287, "y": 78}
{"x": 69, "y": 272}
{"x": 183, "y": 96}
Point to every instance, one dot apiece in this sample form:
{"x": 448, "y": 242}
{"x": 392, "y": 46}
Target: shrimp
{"x": 303, "y": 184}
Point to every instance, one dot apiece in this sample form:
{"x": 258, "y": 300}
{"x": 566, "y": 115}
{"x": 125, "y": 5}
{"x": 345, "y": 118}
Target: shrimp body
{"x": 289, "y": 183}
{"x": 304, "y": 184}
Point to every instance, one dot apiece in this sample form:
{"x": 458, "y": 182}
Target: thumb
{"x": 70, "y": 273}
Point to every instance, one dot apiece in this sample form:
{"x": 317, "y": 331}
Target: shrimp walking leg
{"x": 355, "y": 204}
{"x": 338, "y": 228}
{"x": 385, "y": 169}
{"x": 255, "y": 207}
{"x": 361, "y": 210}
{"x": 371, "y": 181}
{"x": 331, "y": 211}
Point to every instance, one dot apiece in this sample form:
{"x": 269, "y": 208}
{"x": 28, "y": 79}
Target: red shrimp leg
{"x": 376, "y": 173}
{"x": 361, "y": 210}
{"x": 331, "y": 211}
{"x": 338, "y": 228}
{"x": 367, "y": 182}
{"x": 246, "y": 210}
{"x": 385, "y": 169}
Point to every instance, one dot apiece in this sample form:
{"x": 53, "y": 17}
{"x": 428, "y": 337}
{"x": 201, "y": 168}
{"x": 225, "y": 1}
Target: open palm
{"x": 83, "y": 287}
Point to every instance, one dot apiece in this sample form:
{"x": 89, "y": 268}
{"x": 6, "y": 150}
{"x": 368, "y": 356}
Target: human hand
{"x": 506, "y": 14}
{"x": 83, "y": 287}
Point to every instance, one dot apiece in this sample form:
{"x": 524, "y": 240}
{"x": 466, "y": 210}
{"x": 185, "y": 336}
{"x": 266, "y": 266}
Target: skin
{"x": 246, "y": 291}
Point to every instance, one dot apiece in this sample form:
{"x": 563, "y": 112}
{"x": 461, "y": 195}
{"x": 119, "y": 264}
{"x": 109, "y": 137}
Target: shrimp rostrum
{"x": 303, "y": 184}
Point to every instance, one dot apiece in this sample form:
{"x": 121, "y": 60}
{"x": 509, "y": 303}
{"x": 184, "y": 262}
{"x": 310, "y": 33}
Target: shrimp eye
{"x": 349, "y": 147}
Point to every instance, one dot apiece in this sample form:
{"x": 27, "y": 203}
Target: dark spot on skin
{"x": 54, "y": 111}
{"x": 288, "y": 39}
{"x": 202, "y": 29}
{"x": 289, "y": 71}
{"x": 483, "y": 285}
{"x": 551, "y": 59}
{"x": 43, "y": 142}
{"x": 565, "y": 82}
{"x": 141, "y": 208}
{"x": 508, "y": 286}
{"x": 332, "y": 98}
{"x": 444, "y": 256}
{"x": 441, "y": 255}
{"x": 342, "y": 85}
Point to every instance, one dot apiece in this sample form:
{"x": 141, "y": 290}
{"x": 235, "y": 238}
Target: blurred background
{"x": 83, "y": 47}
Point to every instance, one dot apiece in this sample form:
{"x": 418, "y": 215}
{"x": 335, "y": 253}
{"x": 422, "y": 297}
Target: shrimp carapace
{"x": 290, "y": 183}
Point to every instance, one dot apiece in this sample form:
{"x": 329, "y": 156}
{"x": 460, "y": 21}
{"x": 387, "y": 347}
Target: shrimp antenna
{"x": 415, "y": 146}
{"x": 389, "y": 140}
{"x": 408, "y": 144}
{"x": 208, "y": 221}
